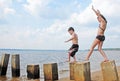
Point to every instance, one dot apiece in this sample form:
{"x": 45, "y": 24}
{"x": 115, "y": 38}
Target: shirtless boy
{"x": 100, "y": 35}
{"x": 74, "y": 48}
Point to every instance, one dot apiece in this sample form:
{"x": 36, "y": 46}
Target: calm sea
{"x": 54, "y": 56}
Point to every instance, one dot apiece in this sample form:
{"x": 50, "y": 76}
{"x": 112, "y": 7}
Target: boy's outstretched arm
{"x": 70, "y": 39}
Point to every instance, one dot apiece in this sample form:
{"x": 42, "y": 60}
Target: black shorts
{"x": 100, "y": 37}
{"x": 75, "y": 48}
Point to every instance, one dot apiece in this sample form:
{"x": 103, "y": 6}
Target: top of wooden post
{"x": 15, "y": 54}
{"x": 84, "y": 62}
{"x": 50, "y": 63}
{"x": 108, "y": 61}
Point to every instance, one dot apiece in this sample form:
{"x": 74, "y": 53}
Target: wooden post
{"x": 72, "y": 66}
{"x": 109, "y": 71}
{"x": 50, "y": 72}
{"x": 82, "y": 71}
{"x": 33, "y": 72}
{"x": 15, "y": 61}
{"x": 4, "y": 64}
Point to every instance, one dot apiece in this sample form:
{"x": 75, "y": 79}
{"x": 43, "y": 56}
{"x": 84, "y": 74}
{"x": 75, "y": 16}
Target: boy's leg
{"x": 74, "y": 58}
{"x": 73, "y": 55}
{"x": 69, "y": 54}
{"x": 69, "y": 57}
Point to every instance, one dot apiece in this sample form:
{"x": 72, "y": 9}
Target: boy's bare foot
{"x": 67, "y": 61}
{"x": 106, "y": 60}
{"x": 86, "y": 60}
{"x": 73, "y": 61}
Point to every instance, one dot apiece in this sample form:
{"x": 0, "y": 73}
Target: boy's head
{"x": 71, "y": 30}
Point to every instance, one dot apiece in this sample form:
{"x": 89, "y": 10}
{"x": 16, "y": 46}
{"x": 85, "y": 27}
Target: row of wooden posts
{"x": 79, "y": 71}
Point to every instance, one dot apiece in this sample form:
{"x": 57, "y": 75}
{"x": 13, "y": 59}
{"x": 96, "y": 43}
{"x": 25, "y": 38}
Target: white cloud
{"x": 24, "y": 38}
{"x": 9, "y": 11}
{"x": 85, "y": 18}
{"x": 51, "y": 9}
{"x": 115, "y": 29}
{"x": 108, "y": 7}
{"x": 31, "y": 38}
{"x": 5, "y": 3}
{"x": 5, "y": 7}
{"x": 35, "y": 6}
{"x": 20, "y": 1}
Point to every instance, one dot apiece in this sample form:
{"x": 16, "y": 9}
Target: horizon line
{"x": 53, "y": 49}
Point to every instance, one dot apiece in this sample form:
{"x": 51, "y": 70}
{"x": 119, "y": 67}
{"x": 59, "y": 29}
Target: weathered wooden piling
{"x": 33, "y": 72}
{"x": 109, "y": 71}
{"x": 72, "y": 66}
{"x": 4, "y": 64}
{"x": 82, "y": 71}
{"x": 50, "y": 72}
{"x": 15, "y": 61}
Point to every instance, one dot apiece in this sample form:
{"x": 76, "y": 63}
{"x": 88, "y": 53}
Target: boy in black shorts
{"x": 74, "y": 48}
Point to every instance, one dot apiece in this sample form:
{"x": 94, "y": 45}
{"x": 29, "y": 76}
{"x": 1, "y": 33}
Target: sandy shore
{"x": 96, "y": 76}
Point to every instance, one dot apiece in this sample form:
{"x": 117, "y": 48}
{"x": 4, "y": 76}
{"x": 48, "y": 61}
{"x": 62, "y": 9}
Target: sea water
{"x": 41, "y": 57}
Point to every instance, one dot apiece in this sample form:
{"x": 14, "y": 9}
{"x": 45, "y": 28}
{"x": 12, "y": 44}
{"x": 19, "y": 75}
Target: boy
{"x": 74, "y": 48}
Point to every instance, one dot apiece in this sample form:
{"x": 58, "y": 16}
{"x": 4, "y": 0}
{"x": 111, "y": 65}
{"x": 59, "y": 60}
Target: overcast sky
{"x": 43, "y": 24}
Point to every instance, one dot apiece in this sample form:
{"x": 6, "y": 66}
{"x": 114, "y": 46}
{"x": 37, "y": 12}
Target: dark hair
{"x": 71, "y": 28}
{"x": 103, "y": 18}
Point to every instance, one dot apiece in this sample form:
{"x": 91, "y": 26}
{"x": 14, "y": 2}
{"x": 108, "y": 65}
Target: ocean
{"x": 41, "y": 57}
